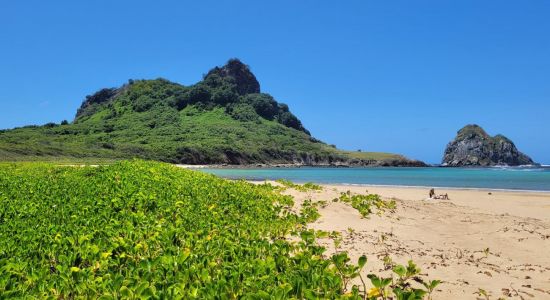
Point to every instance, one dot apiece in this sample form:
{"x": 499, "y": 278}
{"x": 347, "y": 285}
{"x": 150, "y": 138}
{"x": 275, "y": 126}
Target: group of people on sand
{"x": 441, "y": 197}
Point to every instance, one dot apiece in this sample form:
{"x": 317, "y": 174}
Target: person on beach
{"x": 434, "y": 196}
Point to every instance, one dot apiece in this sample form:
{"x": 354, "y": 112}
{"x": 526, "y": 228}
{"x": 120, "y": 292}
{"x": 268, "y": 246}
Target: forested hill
{"x": 225, "y": 118}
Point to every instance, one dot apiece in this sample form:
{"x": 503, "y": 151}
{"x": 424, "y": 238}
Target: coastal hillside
{"x": 223, "y": 119}
{"x": 474, "y": 147}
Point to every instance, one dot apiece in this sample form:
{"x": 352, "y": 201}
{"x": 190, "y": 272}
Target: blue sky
{"x": 395, "y": 76}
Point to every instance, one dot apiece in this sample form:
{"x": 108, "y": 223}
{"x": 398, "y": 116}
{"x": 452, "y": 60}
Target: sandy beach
{"x": 496, "y": 241}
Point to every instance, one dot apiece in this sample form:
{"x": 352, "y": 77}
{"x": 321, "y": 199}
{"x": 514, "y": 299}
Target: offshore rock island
{"x": 474, "y": 147}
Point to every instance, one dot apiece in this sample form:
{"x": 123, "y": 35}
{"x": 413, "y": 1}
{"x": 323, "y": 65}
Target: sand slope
{"x": 499, "y": 242}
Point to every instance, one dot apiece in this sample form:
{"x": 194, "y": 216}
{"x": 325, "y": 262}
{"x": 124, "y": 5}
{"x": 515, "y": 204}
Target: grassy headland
{"x": 222, "y": 119}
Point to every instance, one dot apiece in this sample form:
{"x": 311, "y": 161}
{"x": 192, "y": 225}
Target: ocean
{"x": 505, "y": 178}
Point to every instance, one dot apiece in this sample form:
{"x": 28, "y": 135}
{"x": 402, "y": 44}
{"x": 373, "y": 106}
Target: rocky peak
{"x": 472, "y": 131}
{"x": 99, "y": 97}
{"x": 239, "y": 74}
{"x": 474, "y": 147}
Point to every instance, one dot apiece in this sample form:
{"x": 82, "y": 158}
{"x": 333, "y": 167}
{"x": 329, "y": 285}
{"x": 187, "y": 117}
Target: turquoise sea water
{"x": 513, "y": 178}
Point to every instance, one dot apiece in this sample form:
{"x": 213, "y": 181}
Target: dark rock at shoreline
{"x": 322, "y": 162}
{"x": 474, "y": 147}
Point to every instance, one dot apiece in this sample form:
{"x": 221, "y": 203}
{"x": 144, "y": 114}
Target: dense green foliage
{"x": 221, "y": 119}
{"x": 147, "y": 229}
{"x": 142, "y": 121}
{"x": 150, "y": 230}
{"x": 365, "y": 204}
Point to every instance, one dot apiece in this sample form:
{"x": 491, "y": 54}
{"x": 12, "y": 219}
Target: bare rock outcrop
{"x": 474, "y": 147}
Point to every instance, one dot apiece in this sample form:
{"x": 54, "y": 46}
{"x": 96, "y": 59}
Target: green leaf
{"x": 125, "y": 292}
{"x": 148, "y": 292}
{"x": 362, "y": 261}
{"x": 400, "y": 270}
{"x": 375, "y": 280}
{"x": 434, "y": 283}
{"x": 385, "y": 282}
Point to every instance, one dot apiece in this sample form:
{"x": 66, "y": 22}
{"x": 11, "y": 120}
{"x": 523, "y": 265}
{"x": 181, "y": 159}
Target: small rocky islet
{"x": 472, "y": 146}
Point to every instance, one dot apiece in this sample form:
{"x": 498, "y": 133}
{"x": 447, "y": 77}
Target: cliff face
{"x": 474, "y": 147}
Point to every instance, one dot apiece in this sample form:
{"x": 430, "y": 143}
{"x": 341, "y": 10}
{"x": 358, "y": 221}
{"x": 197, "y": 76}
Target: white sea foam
{"x": 522, "y": 168}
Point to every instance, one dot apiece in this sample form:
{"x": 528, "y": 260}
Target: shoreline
{"x": 485, "y": 179}
{"x": 407, "y": 186}
{"x": 289, "y": 166}
{"x": 436, "y": 187}
{"x": 337, "y": 166}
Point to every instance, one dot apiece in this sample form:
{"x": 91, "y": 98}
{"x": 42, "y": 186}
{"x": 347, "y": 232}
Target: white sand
{"x": 447, "y": 239}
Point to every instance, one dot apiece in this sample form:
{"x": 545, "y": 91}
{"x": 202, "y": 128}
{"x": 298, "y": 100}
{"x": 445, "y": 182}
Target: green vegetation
{"x": 308, "y": 186}
{"x": 222, "y": 119}
{"x": 365, "y": 203}
{"x": 399, "y": 287}
{"x": 376, "y": 156}
{"x": 148, "y": 230}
